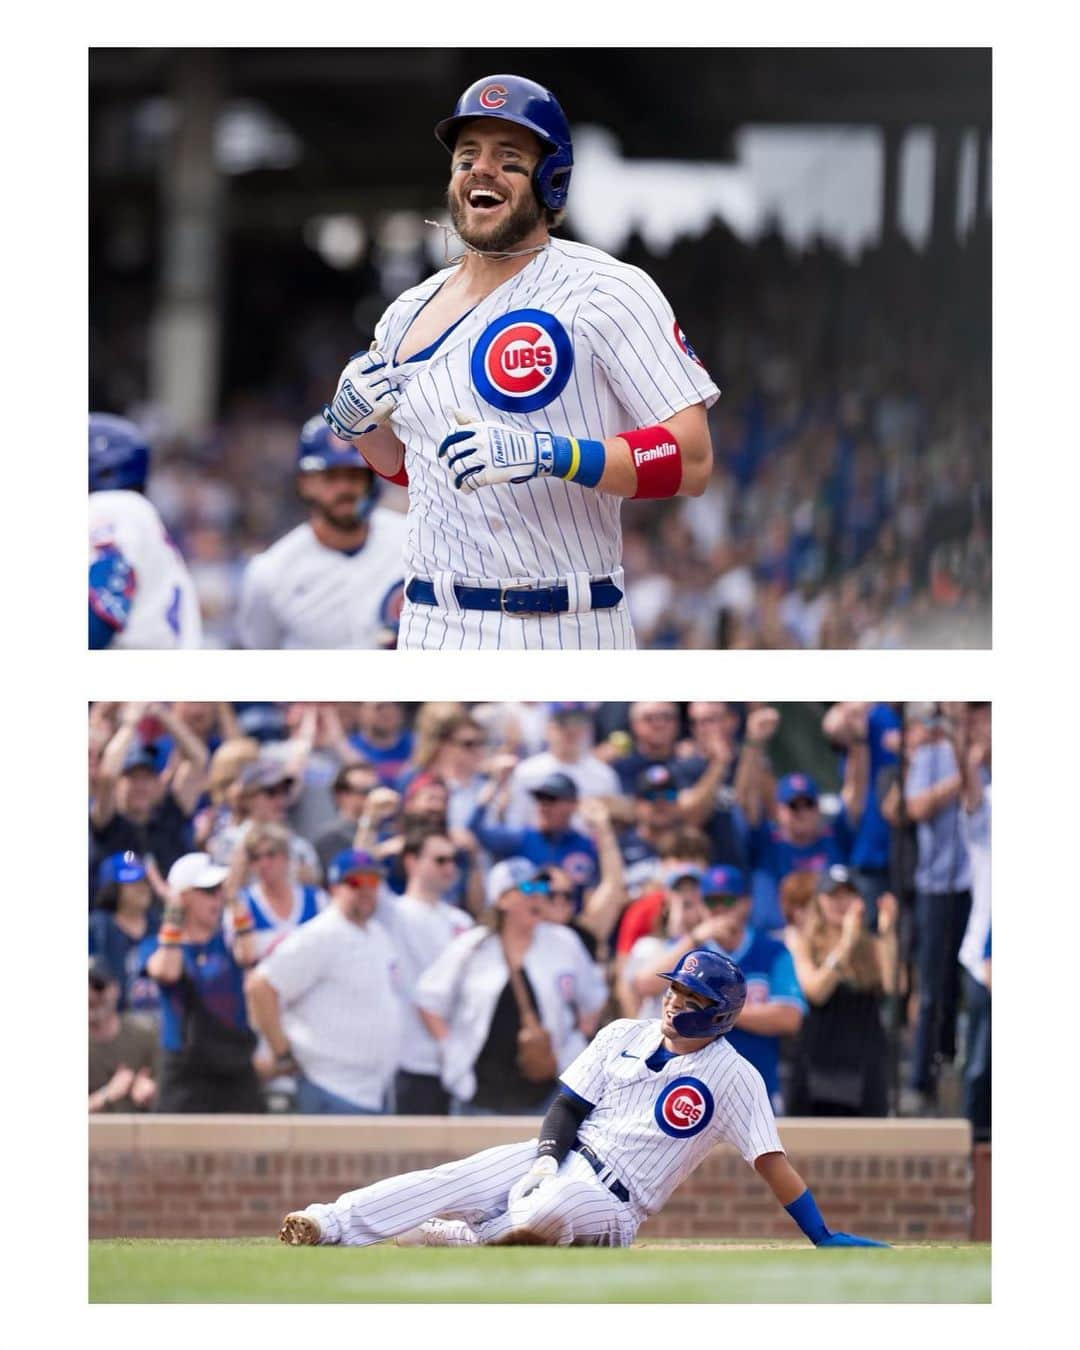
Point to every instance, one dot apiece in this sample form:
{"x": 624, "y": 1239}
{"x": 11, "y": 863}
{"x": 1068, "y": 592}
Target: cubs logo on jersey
{"x": 580, "y": 867}
{"x": 684, "y": 1108}
{"x": 522, "y": 361}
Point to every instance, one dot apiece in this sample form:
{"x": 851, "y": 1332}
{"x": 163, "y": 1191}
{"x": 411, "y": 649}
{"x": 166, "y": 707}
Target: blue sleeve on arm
{"x": 503, "y": 843}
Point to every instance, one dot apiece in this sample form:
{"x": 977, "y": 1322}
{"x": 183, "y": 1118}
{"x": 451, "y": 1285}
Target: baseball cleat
{"x": 438, "y": 1233}
{"x": 299, "y": 1230}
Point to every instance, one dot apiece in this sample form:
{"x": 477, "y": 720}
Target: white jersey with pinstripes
{"x": 651, "y": 1128}
{"x": 576, "y": 343}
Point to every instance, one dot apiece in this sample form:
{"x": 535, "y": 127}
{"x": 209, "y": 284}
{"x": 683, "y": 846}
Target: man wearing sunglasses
{"x": 775, "y": 1005}
{"x": 552, "y": 840}
{"x": 326, "y": 999}
{"x": 798, "y": 838}
{"x": 422, "y": 925}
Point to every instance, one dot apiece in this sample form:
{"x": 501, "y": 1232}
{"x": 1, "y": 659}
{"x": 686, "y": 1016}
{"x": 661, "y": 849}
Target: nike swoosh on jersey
{"x": 626, "y": 1055}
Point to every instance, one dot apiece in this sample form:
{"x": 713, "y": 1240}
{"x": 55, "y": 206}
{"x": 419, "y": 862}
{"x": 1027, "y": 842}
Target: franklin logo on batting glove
{"x": 366, "y": 396}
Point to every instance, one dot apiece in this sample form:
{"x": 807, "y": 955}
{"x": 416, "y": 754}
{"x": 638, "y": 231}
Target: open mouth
{"x": 485, "y": 199}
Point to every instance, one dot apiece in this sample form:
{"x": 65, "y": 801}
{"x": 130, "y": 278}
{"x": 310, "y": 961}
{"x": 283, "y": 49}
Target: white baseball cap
{"x": 508, "y": 875}
{"x": 196, "y": 872}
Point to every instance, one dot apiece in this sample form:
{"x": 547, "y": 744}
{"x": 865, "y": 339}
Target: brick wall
{"x": 206, "y": 1176}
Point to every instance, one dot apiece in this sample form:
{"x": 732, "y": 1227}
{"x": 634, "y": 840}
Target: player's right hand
{"x": 366, "y": 396}
{"x": 480, "y": 454}
{"x": 541, "y": 1169}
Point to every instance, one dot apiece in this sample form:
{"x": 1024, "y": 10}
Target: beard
{"x": 515, "y": 227}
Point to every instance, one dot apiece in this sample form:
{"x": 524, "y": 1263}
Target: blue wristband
{"x": 578, "y": 461}
{"x": 806, "y": 1214}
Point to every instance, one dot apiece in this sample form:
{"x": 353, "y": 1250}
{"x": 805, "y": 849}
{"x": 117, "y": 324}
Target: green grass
{"x": 263, "y": 1271}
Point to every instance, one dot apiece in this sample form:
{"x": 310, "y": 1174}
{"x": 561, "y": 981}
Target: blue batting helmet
{"x": 319, "y": 449}
{"x": 119, "y": 454}
{"x": 512, "y": 98}
{"x": 716, "y": 978}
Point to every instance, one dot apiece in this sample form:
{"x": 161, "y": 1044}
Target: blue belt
{"x": 516, "y": 600}
{"x": 617, "y": 1189}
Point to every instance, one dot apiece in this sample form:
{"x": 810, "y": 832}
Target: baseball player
{"x": 522, "y": 392}
{"x": 638, "y": 1110}
{"x": 141, "y": 594}
{"x": 335, "y": 581}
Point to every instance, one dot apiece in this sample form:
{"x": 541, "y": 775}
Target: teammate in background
{"x": 522, "y": 392}
{"x": 141, "y": 594}
{"x": 636, "y": 1112}
{"x": 335, "y": 581}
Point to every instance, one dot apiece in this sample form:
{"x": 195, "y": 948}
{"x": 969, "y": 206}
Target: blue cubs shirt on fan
{"x": 138, "y": 993}
{"x": 772, "y": 857}
{"x": 216, "y": 980}
{"x": 770, "y": 977}
{"x": 388, "y": 761}
{"x": 574, "y": 852}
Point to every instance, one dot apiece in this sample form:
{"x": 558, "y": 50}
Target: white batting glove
{"x": 541, "y": 1169}
{"x": 366, "y": 396}
{"x": 479, "y": 453}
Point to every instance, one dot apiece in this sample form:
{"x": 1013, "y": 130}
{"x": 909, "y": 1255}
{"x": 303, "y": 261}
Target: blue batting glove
{"x": 849, "y": 1240}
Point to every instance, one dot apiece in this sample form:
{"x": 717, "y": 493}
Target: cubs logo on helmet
{"x": 522, "y": 361}
{"x": 684, "y": 1108}
{"x": 493, "y": 96}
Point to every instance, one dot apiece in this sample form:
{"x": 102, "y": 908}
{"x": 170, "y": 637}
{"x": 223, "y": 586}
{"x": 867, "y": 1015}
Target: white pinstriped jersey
{"x": 299, "y": 593}
{"x": 652, "y": 1128}
{"x": 164, "y": 607}
{"x": 576, "y": 343}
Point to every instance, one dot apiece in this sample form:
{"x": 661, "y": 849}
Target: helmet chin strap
{"x": 449, "y": 231}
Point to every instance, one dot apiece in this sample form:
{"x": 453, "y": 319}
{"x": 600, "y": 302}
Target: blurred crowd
{"x": 850, "y": 504}
{"x": 432, "y": 908}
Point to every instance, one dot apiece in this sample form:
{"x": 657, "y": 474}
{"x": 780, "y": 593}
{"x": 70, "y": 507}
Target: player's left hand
{"x": 480, "y": 453}
{"x": 541, "y": 1169}
{"x": 849, "y": 1240}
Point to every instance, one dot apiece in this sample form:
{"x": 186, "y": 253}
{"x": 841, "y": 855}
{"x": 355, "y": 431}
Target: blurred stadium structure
{"x": 819, "y": 219}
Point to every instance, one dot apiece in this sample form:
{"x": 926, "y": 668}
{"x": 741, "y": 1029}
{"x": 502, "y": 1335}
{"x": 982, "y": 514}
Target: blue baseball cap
{"x": 559, "y": 786}
{"x": 139, "y": 757}
{"x": 565, "y": 711}
{"x": 724, "y": 880}
{"x": 795, "y": 785}
{"x": 121, "y": 867}
{"x": 352, "y": 862}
